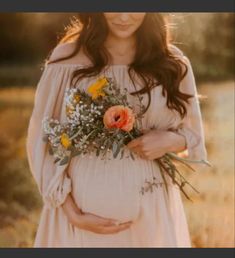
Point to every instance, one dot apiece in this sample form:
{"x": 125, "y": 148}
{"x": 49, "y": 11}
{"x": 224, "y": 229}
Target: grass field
{"x": 210, "y": 216}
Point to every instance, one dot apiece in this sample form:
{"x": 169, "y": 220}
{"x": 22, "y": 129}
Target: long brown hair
{"x": 155, "y": 61}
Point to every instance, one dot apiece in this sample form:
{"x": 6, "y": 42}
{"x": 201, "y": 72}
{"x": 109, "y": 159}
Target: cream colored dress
{"x": 110, "y": 187}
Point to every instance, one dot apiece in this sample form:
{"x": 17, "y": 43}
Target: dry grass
{"x": 210, "y": 216}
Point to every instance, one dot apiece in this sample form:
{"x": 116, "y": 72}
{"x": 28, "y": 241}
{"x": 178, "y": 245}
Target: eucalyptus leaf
{"x": 114, "y": 149}
{"x": 72, "y": 148}
{"x": 51, "y": 152}
{"x": 64, "y": 161}
{"x": 45, "y": 138}
{"x": 75, "y": 153}
{"x": 56, "y": 160}
{"x": 97, "y": 152}
{"x": 132, "y": 156}
{"x": 122, "y": 153}
{"x": 120, "y": 144}
{"x": 117, "y": 151}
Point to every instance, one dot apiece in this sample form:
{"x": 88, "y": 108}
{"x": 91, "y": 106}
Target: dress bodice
{"x": 158, "y": 115}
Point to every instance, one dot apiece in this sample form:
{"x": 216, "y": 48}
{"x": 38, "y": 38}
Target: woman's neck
{"x": 122, "y": 50}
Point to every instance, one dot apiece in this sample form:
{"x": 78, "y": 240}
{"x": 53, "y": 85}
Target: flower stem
{"x": 173, "y": 155}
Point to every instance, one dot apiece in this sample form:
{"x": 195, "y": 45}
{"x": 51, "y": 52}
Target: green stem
{"x": 173, "y": 155}
{"x": 76, "y": 134}
{"x": 131, "y": 136}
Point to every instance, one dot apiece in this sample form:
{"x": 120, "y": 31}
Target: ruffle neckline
{"x": 112, "y": 66}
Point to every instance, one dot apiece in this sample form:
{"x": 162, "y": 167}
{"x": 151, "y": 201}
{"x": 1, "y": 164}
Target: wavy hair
{"x": 156, "y": 61}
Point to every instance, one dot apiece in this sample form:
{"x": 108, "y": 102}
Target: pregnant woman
{"x": 96, "y": 202}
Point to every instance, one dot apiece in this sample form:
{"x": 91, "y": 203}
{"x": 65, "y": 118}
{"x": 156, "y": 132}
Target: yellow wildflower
{"x": 96, "y": 88}
{"x": 69, "y": 109}
{"x": 65, "y": 141}
{"x": 76, "y": 97}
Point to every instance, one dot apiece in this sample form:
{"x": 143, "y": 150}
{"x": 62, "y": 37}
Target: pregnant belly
{"x": 110, "y": 190}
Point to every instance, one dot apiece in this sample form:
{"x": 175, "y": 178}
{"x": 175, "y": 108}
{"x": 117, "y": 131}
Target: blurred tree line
{"x": 27, "y": 38}
{"x": 208, "y": 39}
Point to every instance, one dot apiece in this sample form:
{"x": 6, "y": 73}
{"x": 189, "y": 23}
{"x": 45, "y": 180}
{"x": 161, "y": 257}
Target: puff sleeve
{"x": 191, "y": 127}
{"x": 52, "y": 180}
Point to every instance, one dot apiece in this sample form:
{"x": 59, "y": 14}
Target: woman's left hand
{"x": 152, "y": 145}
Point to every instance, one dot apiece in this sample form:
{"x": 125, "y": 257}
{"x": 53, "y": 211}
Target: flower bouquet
{"x": 101, "y": 120}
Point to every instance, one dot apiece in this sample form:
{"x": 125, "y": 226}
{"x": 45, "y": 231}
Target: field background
{"x": 210, "y": 49}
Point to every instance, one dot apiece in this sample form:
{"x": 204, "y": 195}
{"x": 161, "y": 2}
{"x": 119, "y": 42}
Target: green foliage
{"x": 208, "y": 39}
{"x": 28, "y": 37}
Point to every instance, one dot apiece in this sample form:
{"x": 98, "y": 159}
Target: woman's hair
{"x": 156, "y": 61}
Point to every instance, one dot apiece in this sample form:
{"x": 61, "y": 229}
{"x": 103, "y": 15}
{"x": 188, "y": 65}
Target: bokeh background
{"x": 208, "y": 39}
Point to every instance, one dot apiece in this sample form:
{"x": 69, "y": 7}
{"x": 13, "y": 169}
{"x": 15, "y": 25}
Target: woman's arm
{"x": 191, "y": 129}
{"x": 155, "y": 143}
{"x": 176, "y": 142}
{"x": 51, "y": 180}
{"x": 91, "y": 222}
{"x": 88, "y": 221}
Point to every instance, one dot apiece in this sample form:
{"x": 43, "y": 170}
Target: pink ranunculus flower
{"x": 119, "y": 117}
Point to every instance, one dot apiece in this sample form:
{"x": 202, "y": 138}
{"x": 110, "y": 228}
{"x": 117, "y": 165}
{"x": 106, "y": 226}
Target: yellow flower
{"x": 76, "y": 97}
{"x": 65, "y": 141}
{"x": 96, "y": 88}
{"x": 69, "y": 109}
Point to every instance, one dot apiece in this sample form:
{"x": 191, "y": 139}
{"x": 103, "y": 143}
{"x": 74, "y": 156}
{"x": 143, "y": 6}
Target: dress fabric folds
{"x": 110, "y": 187}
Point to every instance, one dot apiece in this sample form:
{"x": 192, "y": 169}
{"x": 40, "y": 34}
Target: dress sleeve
{"x": 52, "y": 180}
{"x": 192, "y": 125}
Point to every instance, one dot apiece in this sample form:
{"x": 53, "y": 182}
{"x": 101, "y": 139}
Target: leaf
{"x": 75, "y": 153}
{"x": 64, "y": 161}
{"x": 122, "y": 153}
{"x": 132, "y": 156}
{"x": 115, "y": 149}
{"x": 45, "y": 138}
{"x": 119, "y": 145}
{"x": 97, "y": 152}
{"x": 72, "y": 148}
{"x": 51, "y": 152}
{"x": 56, "y": 160}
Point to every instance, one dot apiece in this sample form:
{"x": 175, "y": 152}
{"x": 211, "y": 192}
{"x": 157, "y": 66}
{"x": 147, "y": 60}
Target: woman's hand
{"x": 100, "y": 225}
{"x": 89, "y": 221}
{"x": 156, "y": 143}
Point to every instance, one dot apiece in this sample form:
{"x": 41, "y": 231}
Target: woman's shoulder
{"x": 176, "y": 50}
{"x": 63, "y": 50}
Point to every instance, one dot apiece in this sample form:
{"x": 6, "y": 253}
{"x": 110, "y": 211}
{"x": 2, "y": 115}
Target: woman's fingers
{"x": 138, "y": 151}
{"x": 133, "y": 143}
{"x": 118, "y": 223}
{"x": 109, "y": 222}
{"x": 100, "y": 225}
{"x": 105, "y": 221}
{"x": 99, "y": 221}
{"x": 114, "y": 229}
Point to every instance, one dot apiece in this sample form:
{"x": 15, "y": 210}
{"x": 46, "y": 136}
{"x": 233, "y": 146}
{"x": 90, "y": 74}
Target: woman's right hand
{"x": 91, "y": 222}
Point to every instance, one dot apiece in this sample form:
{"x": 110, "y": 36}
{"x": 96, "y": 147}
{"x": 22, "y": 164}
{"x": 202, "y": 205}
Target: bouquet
{"x": 101, "y": 120}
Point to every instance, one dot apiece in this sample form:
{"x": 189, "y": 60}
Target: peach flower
{"x": 119, "y": 117}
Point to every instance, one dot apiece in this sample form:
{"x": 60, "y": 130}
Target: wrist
{"x": 74, "y": 216}
{"x": 175, "y": 142}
